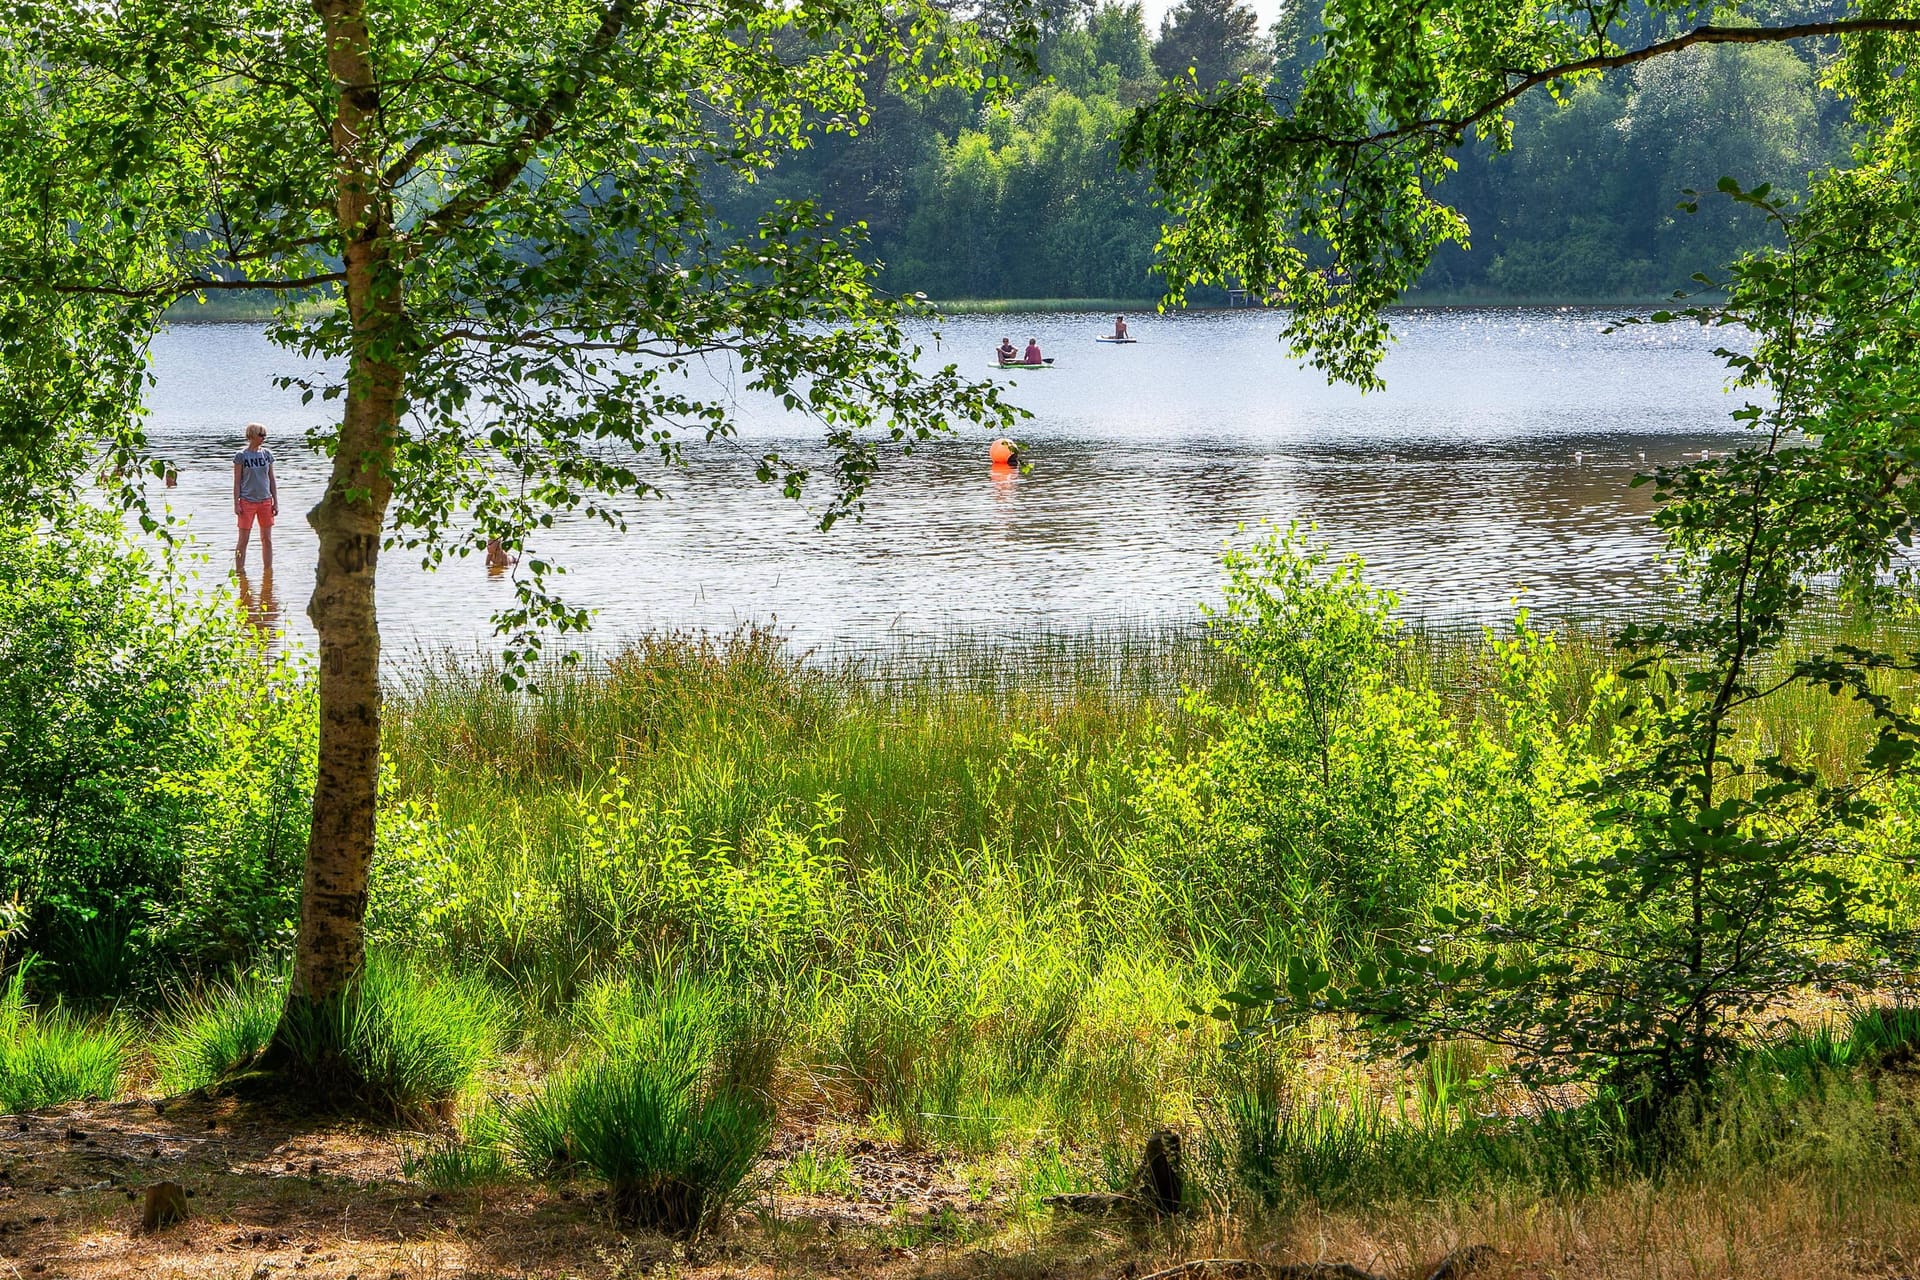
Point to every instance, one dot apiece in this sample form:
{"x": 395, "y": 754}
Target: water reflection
{"x": 261, "y": 603}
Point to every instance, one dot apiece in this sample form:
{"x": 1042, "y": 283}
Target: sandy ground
{"x": 275, "y": 1195}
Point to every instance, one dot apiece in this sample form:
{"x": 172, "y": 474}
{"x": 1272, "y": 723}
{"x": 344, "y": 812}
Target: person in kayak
{"x": 1006, "y": 351}
{"x": 1033, "y": 355}
{"x": 1119, "y": 326}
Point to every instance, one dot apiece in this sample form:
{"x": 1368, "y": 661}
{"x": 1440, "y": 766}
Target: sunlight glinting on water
{"x": 1498, "y": 458}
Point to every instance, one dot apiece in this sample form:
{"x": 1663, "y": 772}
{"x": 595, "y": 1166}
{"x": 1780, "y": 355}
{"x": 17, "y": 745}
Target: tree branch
{"x": 560, "y": 100}
{"x": 181, "y": 288}
{"x": 1454, "y": 126}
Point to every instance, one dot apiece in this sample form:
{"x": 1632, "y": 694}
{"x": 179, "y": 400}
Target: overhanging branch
{"x": 1453, "y": 127}
{"x": 181, "y": 288}
{"x": 565, "y": 92}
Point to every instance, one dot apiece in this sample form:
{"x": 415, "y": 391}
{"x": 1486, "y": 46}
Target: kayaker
{"x": 1007, "y": 352}
{"x": 1033, "y": 355}
{"x": 1119, "y": 326}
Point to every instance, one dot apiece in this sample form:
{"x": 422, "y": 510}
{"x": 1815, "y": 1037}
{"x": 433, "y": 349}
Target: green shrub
{"x": 407, "y": 1041}
{"x": 245, "y": 796}
{"x": 216, "y": 1030}
{"x": 154, "y": 766}
{"x": 669, "y": 1102}
{"x": 50, "y": 1055}
{"x": 1337, "y": 799}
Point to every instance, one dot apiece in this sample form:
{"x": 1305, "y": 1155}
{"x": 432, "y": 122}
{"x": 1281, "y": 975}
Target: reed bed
{"x": 928, "y": 859}
{"x": 918, "y": 890}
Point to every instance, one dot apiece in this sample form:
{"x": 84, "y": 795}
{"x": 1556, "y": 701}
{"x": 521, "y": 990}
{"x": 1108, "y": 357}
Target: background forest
{"x": 966, "y": 198}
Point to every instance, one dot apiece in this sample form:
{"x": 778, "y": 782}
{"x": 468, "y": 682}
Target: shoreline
{"x": 229, "y": 309}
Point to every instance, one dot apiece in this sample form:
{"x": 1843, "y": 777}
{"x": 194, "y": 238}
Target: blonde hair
{"x": 256, "y": 429}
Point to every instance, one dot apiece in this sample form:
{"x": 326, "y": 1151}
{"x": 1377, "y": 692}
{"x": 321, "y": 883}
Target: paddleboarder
{"x": 1120, "y": 327}
{"x": 1006, "y": 351}
{"x": 1033, "y": 355}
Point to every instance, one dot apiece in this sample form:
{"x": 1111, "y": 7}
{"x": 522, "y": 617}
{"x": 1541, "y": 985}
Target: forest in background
{"x": 965, "y": 197}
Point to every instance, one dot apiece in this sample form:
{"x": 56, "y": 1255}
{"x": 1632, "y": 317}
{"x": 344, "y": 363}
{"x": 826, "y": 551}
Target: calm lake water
{"x": 1498, "y": 458}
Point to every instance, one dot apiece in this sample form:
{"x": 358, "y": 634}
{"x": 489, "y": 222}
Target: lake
{"x": 1498, "y": 458}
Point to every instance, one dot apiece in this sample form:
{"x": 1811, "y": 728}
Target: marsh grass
{"x": 927, "y": 862}
{"x": 51, "y": 1055}
{"x": 209, "y": 1033}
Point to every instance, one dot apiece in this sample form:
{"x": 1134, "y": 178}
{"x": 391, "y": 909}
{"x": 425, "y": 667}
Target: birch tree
{"x": 488, "y": 217}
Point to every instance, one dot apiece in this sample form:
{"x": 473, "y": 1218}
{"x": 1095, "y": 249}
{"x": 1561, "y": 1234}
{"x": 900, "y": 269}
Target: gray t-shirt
{"x": 253, "y": 464}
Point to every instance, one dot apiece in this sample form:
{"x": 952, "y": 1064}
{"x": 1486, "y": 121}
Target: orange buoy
{"x": 1004, "y": 451}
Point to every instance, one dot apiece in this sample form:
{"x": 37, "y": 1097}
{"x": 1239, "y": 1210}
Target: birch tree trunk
{"x": 348, "y": 520}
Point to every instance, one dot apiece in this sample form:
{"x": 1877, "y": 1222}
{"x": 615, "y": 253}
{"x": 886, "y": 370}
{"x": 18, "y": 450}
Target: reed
{"x": 927, "y": 861}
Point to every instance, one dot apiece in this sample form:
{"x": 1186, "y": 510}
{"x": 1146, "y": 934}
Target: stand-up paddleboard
{"x": 1045, "y": 363}
{"x": 1111, "y": 338}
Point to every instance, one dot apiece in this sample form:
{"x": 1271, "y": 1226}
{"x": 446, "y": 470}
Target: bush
{"x": 406, "y": 1041}
{"x": 216, "y": 1031}
{"x": 245, "y": 795}
{"x": 153, "y": 766}
{"x": 1337, "y": 801}
{"x": 49, "y": 1056}
{"x": 669, "y": 1102}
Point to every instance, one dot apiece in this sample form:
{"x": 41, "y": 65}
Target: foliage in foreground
{"x": 669, "y": 1100}
{"x": 154, "y": 765}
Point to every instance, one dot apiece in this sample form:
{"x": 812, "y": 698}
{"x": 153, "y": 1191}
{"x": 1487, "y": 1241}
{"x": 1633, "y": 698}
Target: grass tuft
{"x": 217, "y": 1031}
{"x": 49, "y": 1056}
{"x": 475, "y": 1154}
{"x": 408, "y": 1042}
{"x": 669, "y": 1102}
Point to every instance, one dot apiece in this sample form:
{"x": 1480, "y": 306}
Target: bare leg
{"x": 240, "y": 551}
{"x": 266, "y": 549}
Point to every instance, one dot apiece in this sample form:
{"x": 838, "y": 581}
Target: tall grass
{"x": 669, "y": 1101}
{"x": 50, "y": 1055}
{"x": 934, "y": 864}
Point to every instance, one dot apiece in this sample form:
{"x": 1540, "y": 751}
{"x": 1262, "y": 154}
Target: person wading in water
{"x": 256, "y": 496}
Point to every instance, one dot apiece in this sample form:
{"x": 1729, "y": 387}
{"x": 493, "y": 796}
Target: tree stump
{"x": 166, "y": 1205}
{"x": 1157, "y": 1190}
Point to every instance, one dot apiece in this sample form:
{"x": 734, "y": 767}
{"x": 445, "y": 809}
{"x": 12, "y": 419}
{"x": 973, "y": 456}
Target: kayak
{"x": 1111, "y": 338}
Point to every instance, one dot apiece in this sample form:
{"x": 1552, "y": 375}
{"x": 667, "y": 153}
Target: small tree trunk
{"x": 333, "y": 901}
{"x": 349, "y": 519}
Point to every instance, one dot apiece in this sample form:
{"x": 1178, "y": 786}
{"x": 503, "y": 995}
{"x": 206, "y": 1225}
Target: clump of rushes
{"x": 669, "y": 1101}
{"x": 473, "y": 1155}
{"x": 217, "y": 1030}
{"x": 49, "y": 1055}
{"x": 408, "y": 1042}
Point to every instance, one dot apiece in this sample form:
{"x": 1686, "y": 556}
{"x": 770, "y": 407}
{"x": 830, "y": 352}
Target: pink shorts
{"x": 251, "y": 511}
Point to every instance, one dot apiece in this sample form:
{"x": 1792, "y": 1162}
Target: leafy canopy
{"x": 1323, "y": 188}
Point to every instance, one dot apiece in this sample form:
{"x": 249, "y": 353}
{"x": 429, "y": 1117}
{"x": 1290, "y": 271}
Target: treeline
{"x": 1024, "y": 197}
